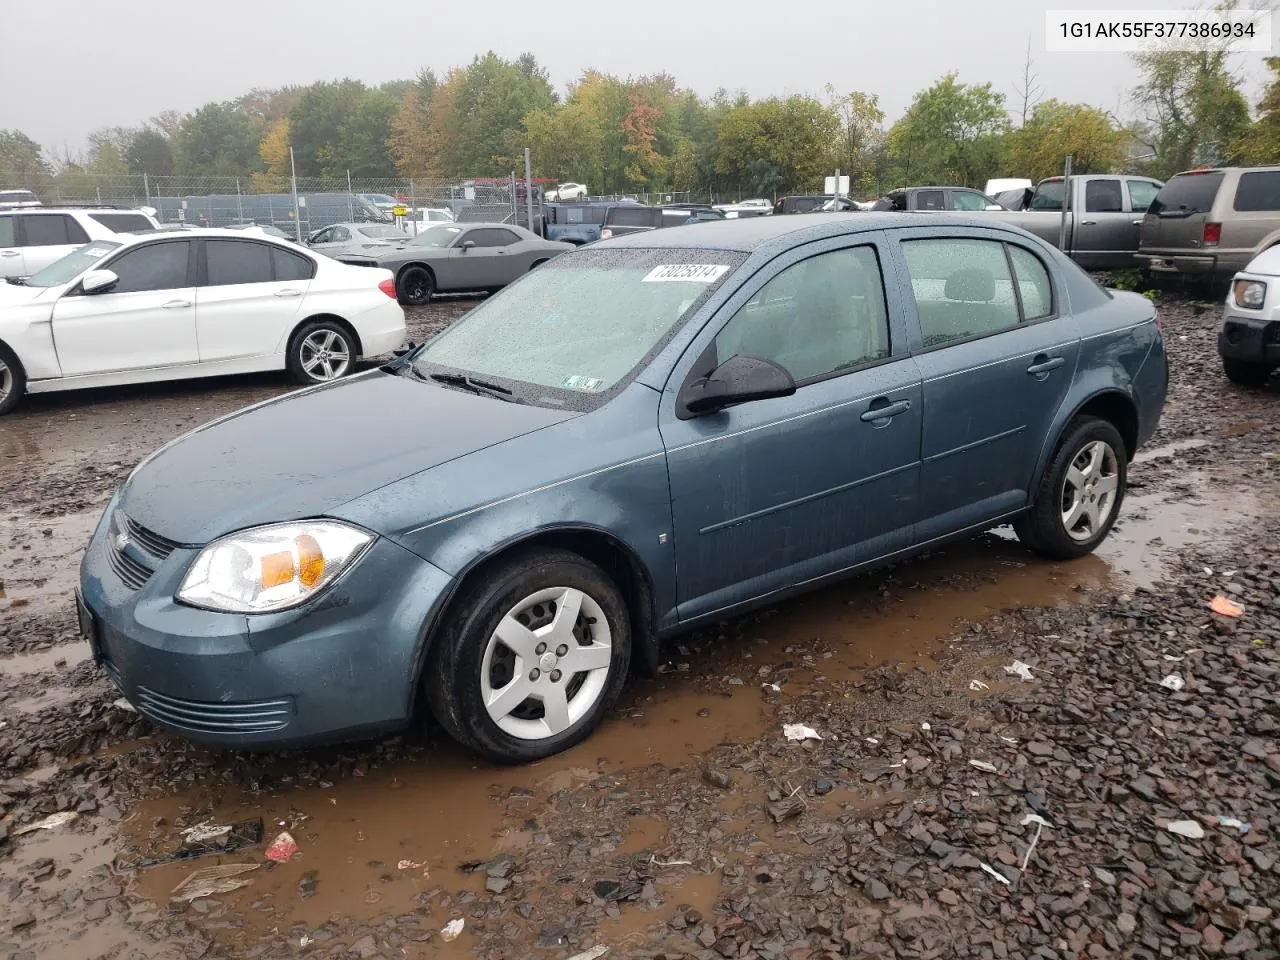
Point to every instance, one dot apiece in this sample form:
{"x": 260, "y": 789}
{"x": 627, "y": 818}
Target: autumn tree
{"x": 274, "y": 153}
{"x": 857, "y": 150}
{"x": 1056, "y": 130}
{"x": 639, "y": 127}
{"x": 1261, "y": 144}
{"x": 951, "y": 133}
{"x": 410, "y": 142}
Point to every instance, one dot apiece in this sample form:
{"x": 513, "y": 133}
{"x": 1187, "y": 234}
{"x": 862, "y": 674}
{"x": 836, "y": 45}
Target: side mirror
{"x": 467, "y": 245}
{"x": 738, "y": 380}
{"x": 98, "y": 281}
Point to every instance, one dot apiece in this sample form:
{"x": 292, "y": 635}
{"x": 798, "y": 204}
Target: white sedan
{"x": 194, "y": 303}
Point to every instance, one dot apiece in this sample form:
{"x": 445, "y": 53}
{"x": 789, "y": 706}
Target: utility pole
{"x": 297, "y": 210}
{"x": 528, "y": 187}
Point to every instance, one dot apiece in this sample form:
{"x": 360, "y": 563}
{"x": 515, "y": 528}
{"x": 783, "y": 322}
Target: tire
{"x": 1245, "y": 373}
{"x": 321, "y": 351}
{"x": 1046, "y": 528}
{"x": 470, "y": 665}
{"x": 13, "y": 380}
{"x": 415, "y": 285}
{"x": 535, "y": 265}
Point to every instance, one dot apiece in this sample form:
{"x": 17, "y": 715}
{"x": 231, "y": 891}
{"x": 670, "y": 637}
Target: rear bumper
{"x": 340, "y": 667}
{"x": 381, "y": 329}
{"x": 1205, "y": 265}
{"x": 1250, "y": 339}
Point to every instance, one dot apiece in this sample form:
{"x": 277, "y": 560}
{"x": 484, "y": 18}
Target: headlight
{"x": 273, "y": 567}
{"x": 1249, "y": 293}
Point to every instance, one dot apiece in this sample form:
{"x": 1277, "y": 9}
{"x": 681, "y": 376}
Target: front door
{"x": 488, "y": 263}
{"x": 146, "y": 320}
{"x": 996, "y": 361}
{"x": 1105, "y": 234}
{"x": 777, "y": 492}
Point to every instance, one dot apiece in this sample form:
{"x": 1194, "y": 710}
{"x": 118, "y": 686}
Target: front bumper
{"x": 1249, "y": 339}
{"x": 339, "y": 667}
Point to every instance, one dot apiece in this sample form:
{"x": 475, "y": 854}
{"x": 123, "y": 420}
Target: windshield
{"x": 72, "y": 265}
{"x": 383, "y": 230}
{"x": 440, "y": 236}
{"x": 379, "y": 198}
{"x": 1187, "y": 193}
{"x": 1048, "y": 195}
{"x": 580, "y": 325}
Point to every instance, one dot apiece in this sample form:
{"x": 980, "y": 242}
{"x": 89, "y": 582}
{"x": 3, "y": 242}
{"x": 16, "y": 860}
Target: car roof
{"x": 752, "y": 233}
{"x": 191, "y": 233}
{"x": 85, "y": 210}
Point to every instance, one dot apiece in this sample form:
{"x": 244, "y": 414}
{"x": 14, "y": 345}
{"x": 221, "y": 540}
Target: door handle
{"x": 1088, "y": 223}
{"x": 882, "y": 408}
{"x": 288, "y": 293}
{"x": 176, "y": 304}
{"x": 1043, "y": 364}
{"x": 9, "y": 253}
{"x": 1136, "y": 223}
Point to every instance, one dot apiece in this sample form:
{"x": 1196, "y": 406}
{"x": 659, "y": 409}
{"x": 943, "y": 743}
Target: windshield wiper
{"x": 482, "y": 387}
{"x": 17, "y": 281}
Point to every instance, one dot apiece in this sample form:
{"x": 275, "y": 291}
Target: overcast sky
{"x": 70, "y": 66}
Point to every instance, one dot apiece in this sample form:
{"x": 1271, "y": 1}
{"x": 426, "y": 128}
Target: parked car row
{"x": 33, "y": 237}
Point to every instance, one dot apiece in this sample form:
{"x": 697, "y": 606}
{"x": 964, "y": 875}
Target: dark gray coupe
{"x": 460, "y": 258}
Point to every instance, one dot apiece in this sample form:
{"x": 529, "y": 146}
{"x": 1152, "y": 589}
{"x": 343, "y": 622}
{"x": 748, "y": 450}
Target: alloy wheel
{"x": 325, "y": 355}
{"x": 6, "y": 381}
{"x": 1089, "y": 490}
{"x": 547, "y": 663}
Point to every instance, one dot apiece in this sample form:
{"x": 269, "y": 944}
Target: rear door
{"x": 996, "y": 360}
{"x": 1105, "y": 238}
{"x": 47, "y": 238}
{"x": 146, "y": 320}
{"x": 12, "y": 262}
{"x": 1254, "y": 213}
{"x": 1175, "y": 220}
{"x": 248, "y": 299}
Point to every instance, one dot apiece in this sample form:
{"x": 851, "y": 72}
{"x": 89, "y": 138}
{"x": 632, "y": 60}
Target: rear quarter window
{"x": 1259, "y": 190}
{"x": 1187, "y": 193}
{"x": 122, "y": 222}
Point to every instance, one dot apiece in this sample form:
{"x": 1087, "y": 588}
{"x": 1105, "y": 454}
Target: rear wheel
{"x": 1245, "y": 373}
{"x": 532, "y": 658}
{"x": 13, "y": 380}
{"x": 1079, "y": 496}
{"x": 321, "y": 351}
{"x": 536, "y": 264}
{"x": 415, "y": 285}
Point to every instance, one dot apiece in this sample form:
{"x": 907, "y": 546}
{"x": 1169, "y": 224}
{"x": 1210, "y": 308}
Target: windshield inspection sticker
{"x": 588, "y": 384}
{"x": 96, "y": 252}
{"x": 686, "y": 273}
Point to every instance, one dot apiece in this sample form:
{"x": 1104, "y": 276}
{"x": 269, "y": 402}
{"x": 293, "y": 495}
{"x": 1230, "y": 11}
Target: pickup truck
{"x": 1104, "y": 217}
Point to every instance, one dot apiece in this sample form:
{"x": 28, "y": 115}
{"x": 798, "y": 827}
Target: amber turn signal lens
{"x": 277, "y": 569}
{"x": 310, "y": 561}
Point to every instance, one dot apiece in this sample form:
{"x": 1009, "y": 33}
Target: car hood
{"x": 304, "y": 454}
{"x": 13, "y": 293}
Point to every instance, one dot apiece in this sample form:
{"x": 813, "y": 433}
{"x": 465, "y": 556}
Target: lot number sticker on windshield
{"x": 686, "y": 273}
{"x": 589, "y": 384}
{"x": 96, "y": 252}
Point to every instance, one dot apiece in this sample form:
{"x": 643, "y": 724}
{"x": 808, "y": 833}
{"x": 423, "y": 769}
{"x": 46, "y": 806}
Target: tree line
{"x": 649, "y": 134}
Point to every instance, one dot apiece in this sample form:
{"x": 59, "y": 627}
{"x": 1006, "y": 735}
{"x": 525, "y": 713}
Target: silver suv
{"x": 1208, "y": 224}
{"x": 31, "y": 238}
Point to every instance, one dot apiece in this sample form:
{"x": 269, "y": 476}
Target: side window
{"x": 962, "y": 288}
{"x": 238, "y": 261}
{"x": 1033, "y": 283}
{"x": 340, "y": 235}
{"x": 156, "y": 266}
{"x": 121, "y": 222}
{"x": 1258, "y": 191}
{"x": 816, "y": 317}
{"x": 323, "y": 236}
{"x": 930, "y": 200}
{"x": 1103, "y": 196}
{"x": 49, "y": 230}
{"x": 290, "y": 266}
{"x": 491, "y": 237}
{"x": 1141, "y": 193}
{"x": 964, "y": 200}
{"x": 8, "y": 236}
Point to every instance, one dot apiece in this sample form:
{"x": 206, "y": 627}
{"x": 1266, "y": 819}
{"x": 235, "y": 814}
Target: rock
{"x": 500, "y": 867}
{"x": 1146, "y": 788}
{"x": 822, "y": 787}
{"x": 877, "y": 890}
{"x": 786, "y": 808}
{"x": 1212, "y": 939}
{"x": 496, "y": 884}
{"x": 715, "y": 777}
{"x": 553, "y": 935}
{"x": 949, "y": 897}
{"x": 1105, "y": 877}
{"x": 307, "y": 884}
{"x": 21, "y": 919}
{"x": 1038, "y": 748}
{"x": 1126, "y": 924}
{"x": 1176, "y": 903}
{"x": 1242, "y": 942}
{"x": 614, "y": 890}
{"x": 365, "y": 947}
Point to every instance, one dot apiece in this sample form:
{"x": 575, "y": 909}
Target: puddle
{"x": 45, "y": 661}
{"x": 40, "y": 560}
{"x": 1169, "y": 449}
{"x": 57, "y": 697}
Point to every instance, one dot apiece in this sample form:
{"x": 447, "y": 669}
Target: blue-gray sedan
{"x": 636, "y": 438}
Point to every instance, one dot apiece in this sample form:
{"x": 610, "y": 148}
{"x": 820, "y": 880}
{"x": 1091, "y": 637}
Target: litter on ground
{"x": 451, "y": 930}
{"x": 983, "y": 766}
{"x": 1224, "y": 607}
{"x": 1186, "y": 828}
{"x": 1020, "y": 670}
{"x": 51, "y": 822}
{"x": 282, "y": 848}
{"x": 987, "y": 868}
{"x": 798, "y": 731}
{"x": 1232, "y": 822}
{"x": 212, "y": 880}
{"x": 204, "y": 832}
{"x": 1173, "y": 682}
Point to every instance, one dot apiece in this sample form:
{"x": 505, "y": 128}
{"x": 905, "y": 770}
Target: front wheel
{"x": 13, "y": 380}
{"x": 415, "y": 286}
{"x": 321, "y": 351}
{"x": 1245, "y": 373}
{"x": 1079, "y": 496}
{"x": 532, "y": 658}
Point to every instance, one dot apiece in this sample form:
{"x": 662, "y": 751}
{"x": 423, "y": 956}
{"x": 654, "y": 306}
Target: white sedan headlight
{"x": 273, "y": 567}
{"x": 1250, "y": 294}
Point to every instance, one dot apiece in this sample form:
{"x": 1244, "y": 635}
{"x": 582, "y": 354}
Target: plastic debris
{"x": 211, "y": 880}
{"x": 408, "y": 865}
{"x": 1224, "y": 607}
{"x": 1040, "y": 823}
{"x": 771, "y": 687}
{"x": 798, "y": 731}
{"x": 1173, "y": 682}
{"x": 1233, "y": 822}
{"x": 451, "y": 930}
{"x": 1186, "y": 828}
{"x": 305, "y": 941}
{"x": 987, "y": 868}
{"x": 925, "y": 727}
{"x": 595, "y": 953}
{"x": 125, "y": 705}
{"x": 1173, "y": 659}
{"x": 51, "y": 822}
{"x": 282, "y": 848}
{"x": 983, "y": 766}
{"x": 1020, "y": 670}
{"x": 977, "y": 685}
{"x": 205, "y": 832}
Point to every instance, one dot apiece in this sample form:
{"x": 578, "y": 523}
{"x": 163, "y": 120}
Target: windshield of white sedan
{"x": 581, "y": 324}
{"x": 440, "y": 236}
{"x": 72, "y": 265}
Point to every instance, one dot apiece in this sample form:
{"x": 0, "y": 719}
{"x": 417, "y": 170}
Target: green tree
{"x": 362, "y": 147}
{"x": 783, "y": 143}
{"x": 951, "y": 133}
{"x": 491, "y": 99}
{"x": 218, "y": 140}
{"x": 22, "y": 162}
{"x": 317, "y": 122}
{"x": 1261, "y": 144}
{"x": 149, "y": 152}
{"x": 1055, "y": 130}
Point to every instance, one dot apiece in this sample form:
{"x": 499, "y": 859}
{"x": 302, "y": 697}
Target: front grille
{"x": 130, "y": 571}
{"x": 261, "y": 716}
{"x": 150, "y": 541}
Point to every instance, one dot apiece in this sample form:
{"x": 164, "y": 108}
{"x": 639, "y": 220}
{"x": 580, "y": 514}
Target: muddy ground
{"x": 688, "y": 826}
